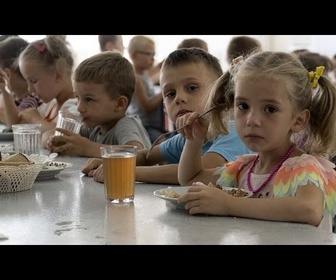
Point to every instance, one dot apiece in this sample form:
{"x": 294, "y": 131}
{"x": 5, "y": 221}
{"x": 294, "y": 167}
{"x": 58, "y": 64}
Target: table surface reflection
{"x": 71, "y": 209}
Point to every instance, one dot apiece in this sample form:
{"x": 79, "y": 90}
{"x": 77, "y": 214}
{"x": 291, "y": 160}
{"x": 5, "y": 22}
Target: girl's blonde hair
{"x": 282, "y": 67}
{"x": 52, "y": 52}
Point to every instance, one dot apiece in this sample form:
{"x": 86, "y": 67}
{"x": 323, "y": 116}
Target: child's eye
{"x": 192, "y": 88}
{"x": 242, "y": 106}
{"x": 270, "y": 109}
{"x": 170, "y": 94}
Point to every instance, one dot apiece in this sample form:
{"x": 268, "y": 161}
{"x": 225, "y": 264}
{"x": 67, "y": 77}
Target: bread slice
{"x": 15, "y": 160}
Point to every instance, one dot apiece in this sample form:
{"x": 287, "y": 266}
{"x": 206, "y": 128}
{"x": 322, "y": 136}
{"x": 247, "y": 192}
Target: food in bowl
{"x": 170, "y": 193}
{"x": 236, "y": 192}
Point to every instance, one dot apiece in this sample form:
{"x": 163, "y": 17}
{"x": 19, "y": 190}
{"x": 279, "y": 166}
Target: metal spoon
{"x": 53, "y": 156}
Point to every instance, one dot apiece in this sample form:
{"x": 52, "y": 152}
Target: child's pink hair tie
{"x": 41, "y": 48}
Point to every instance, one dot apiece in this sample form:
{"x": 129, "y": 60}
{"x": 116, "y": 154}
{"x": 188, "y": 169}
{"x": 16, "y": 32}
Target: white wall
{"x": 87, "y": 45}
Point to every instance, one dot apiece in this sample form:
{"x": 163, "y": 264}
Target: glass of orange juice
{"x": 119, "y": 163}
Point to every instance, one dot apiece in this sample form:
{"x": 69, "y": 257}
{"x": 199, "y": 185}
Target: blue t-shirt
{"x": 228, "y": 146}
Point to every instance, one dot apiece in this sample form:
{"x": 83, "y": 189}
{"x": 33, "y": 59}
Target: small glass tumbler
{"x": 27, "y": 138}
{"x": 119, "y": 163}
{"x": 69, "y": 122}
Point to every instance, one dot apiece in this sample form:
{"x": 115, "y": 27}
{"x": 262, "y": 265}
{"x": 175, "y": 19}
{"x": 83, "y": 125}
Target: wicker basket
{"x": 18, "y": 178}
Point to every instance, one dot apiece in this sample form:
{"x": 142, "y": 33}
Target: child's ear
{"x": 122, "y": 103}
{"x": 59, "y": 74}
{"x": 132, "y": 55}
{"x": 301, "y": 120}
{"x": 6, "y": 72}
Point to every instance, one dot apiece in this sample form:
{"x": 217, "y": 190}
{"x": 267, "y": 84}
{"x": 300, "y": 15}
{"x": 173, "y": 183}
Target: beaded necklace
{"x": 276, "y": 168}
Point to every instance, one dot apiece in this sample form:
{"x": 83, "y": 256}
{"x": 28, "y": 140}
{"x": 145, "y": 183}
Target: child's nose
{"x": 252, "y": 119}
{"x": 80, "y": 107}
{"x": 30, "y": 89}
{"x": 180, "y": 97}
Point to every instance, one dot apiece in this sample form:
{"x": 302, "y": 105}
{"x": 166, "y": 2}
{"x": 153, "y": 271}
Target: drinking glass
{"x": 27, "y": 138}
{"x": 68, "y": 121}
{"x": 119, "y": 163}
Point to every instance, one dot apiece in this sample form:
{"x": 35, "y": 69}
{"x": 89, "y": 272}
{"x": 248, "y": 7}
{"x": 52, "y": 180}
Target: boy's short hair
{"x": 311, "y": 60}
{"x": 104, "y": 39}
{"x": 138, "y": 43}
{"x": 193, "y": 42}
{"x": 112, "y": 70}
{"x": 242, "y": 46}
{"x": 193, "y": 55}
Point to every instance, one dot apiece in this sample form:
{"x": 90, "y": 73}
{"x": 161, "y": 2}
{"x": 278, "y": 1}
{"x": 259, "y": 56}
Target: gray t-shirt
{"x": 127, "y": 129}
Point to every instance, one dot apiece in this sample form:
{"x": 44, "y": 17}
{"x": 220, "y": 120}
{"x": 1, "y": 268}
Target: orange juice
{"x": 119, "y": 176}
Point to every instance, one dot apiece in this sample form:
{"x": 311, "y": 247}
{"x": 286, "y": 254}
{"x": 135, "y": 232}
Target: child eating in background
{"x": 14, "y": 88}
{"x": 47, "y": 65}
